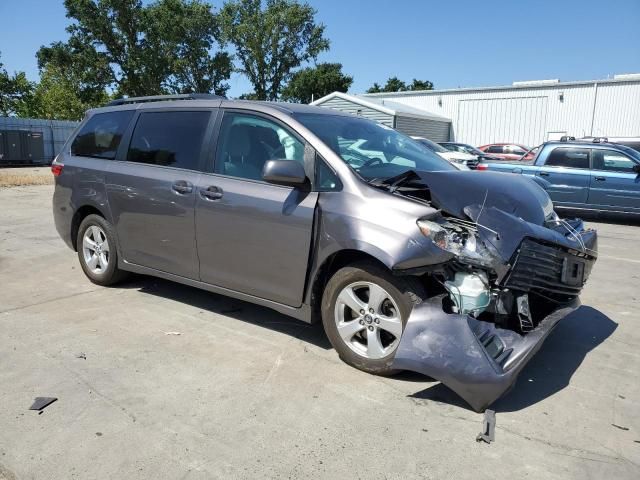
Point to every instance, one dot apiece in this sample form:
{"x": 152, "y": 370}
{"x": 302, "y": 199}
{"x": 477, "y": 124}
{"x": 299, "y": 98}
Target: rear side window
{"x": 612, "y": 161}
{"x": 494, "y": 149}
{"x": 169, "y": 138}
{"x": 516, "y": 150}
{"x": 101, "y": 135}
{"x": 569, "y": 157}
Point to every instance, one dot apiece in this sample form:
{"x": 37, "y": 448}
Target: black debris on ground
{"x": 620, "y": 427}
{"x": 39, "y": 403}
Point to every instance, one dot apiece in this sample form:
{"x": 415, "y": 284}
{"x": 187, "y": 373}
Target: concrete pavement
{"x": 244, "y": 392}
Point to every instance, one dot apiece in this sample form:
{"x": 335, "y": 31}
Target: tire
{"x": 98, "y": 259}
{"x": 384, "y": 327}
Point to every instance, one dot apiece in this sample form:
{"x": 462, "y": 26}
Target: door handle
{"x": 600, "y": 179}
{"x": 182, "y": 187}
{"x": 544, "y": 174}
{"x": 211, "y": 193}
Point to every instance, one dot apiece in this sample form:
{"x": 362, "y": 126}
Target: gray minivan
{"x": 408, "y": 262}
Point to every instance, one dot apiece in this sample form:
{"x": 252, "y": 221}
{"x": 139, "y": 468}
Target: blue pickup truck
{"x": 603, "y": 177}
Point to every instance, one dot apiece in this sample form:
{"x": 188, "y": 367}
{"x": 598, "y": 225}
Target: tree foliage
{"x": 59, "y": 96}
{"x": 394, "y": 84}
{"x": 271, "y": 42}
{"x": 315, "y": 82}
{"x": 16, "y": 94}
{"x": 135, "y": 49}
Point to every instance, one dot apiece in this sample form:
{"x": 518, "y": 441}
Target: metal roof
{"x": 631, "y": 78}
{"x": 384, "y": 106}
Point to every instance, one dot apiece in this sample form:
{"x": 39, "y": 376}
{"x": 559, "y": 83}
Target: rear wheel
{"x": 364, "y": 311}
{"x": 97, "y": 251}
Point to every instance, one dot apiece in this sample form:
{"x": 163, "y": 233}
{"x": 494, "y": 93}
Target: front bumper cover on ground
{"x": 475, "y": 359}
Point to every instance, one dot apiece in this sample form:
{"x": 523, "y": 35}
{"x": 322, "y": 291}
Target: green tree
{"x": 135, "y": 49}
{"x": 375, "y": 88}
{"x": 420, "y": 85}
{"x": 394, "y": 84}
{"x": 59, "y": 95}
{"x": 271, "y": 42}
{"x": 16, "y": 94}
{"x": 316, "y": 82}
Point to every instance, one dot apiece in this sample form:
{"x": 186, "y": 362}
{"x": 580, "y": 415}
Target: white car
{"x": 456, "y": 158}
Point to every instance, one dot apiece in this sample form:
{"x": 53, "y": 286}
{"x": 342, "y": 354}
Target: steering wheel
{"x": 372, "y": 162}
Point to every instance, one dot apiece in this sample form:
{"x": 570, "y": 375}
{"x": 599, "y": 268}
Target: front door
{"x": 254, "y": 237}
{"x": 614, "y": 183}
{"x": 567, "y": 171}
{"x": 152, "y": 191}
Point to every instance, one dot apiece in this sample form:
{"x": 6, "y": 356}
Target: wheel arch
{"x": 80, "y": 214}
{"x": 330, "y": 265}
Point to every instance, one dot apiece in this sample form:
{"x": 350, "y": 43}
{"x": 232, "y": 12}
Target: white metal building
{"x": 402, "y": 117}
{"x": 532, "y": 112}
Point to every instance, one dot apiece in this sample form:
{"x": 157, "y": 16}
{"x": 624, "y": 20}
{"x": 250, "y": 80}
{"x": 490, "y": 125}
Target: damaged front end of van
{"x": 514, "y": 270}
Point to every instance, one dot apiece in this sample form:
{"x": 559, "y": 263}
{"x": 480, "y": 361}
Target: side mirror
{"x": 284, "y": 172}
{"x": 636, "y": 168}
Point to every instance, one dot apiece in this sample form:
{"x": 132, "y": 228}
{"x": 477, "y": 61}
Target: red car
{"x": 508, "y": 151}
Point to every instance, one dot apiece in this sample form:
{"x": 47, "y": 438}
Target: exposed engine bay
{"x": 514, "y": 270}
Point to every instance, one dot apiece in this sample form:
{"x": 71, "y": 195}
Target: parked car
{"x": 457, "y": 158}
{"x": 508, "y": 151}
{"x": 408, "y": 262}
{"x": 466, "y": 148}
{"x": 587, "y": 176}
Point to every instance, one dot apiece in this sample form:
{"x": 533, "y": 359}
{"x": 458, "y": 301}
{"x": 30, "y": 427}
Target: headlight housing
{"x": 459, "y": 239}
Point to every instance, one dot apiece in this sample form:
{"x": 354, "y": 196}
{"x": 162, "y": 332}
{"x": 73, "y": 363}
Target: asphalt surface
{"x": 244, "y": 392}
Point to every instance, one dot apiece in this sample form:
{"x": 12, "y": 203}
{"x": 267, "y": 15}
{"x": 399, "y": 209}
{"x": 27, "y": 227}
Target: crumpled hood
{"x": 452, "y": 191}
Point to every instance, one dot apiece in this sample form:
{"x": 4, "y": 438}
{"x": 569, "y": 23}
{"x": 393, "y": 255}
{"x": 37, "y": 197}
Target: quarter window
{"x": 569, "y": 157}
{"x": 610, "y": 160}
{"x": 169, "y": 138}
{"x": 101, "y": 135}
{"x": 326, "y": 179}
{"x": 247, "y": 141}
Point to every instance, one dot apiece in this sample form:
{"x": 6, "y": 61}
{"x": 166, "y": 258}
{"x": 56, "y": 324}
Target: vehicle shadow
{"x": 551, "y": 368}
{"x": 229, "y": 307}
{"x": 548, "y": 372}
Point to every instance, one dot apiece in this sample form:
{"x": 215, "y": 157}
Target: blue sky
{"x": 460, "y": 43}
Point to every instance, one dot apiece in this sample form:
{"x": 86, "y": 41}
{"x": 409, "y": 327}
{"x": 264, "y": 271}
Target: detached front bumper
{"x": 475, "y": 359}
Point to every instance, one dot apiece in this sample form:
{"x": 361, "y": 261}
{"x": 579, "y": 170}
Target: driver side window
{"x": 247, "y": 141}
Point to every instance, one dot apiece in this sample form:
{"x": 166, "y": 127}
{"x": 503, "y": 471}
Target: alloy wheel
{"x": 368, "y": 320}
{"x": 95, "y": 249}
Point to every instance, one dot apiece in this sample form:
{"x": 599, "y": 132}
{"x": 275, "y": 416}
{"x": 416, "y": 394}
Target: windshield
{"x": 629, "y": 151}
{"x": 433, "y": 146}
{"x": 462, "y": 148}
{"x": 371, "y": 149}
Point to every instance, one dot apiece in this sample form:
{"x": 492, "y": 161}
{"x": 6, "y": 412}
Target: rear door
{"x": 567, "y": 171}
{"x": 614, "y": 184}
{"x": 254, "y": 237}
{"x": 152, "y": 189}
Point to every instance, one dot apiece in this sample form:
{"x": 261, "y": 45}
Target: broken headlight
{"x": 459, "y": 239}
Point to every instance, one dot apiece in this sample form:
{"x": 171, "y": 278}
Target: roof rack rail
{"x": 160, "y": 98}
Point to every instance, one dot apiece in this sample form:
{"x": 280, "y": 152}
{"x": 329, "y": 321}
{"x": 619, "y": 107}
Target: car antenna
{"x": 478, "y": 224}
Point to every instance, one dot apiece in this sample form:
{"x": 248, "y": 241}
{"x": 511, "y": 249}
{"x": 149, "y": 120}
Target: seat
{"x": 237, "y": 158}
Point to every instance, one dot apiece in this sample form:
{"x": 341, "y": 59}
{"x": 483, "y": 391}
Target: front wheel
{"x": 364, "y": 311}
